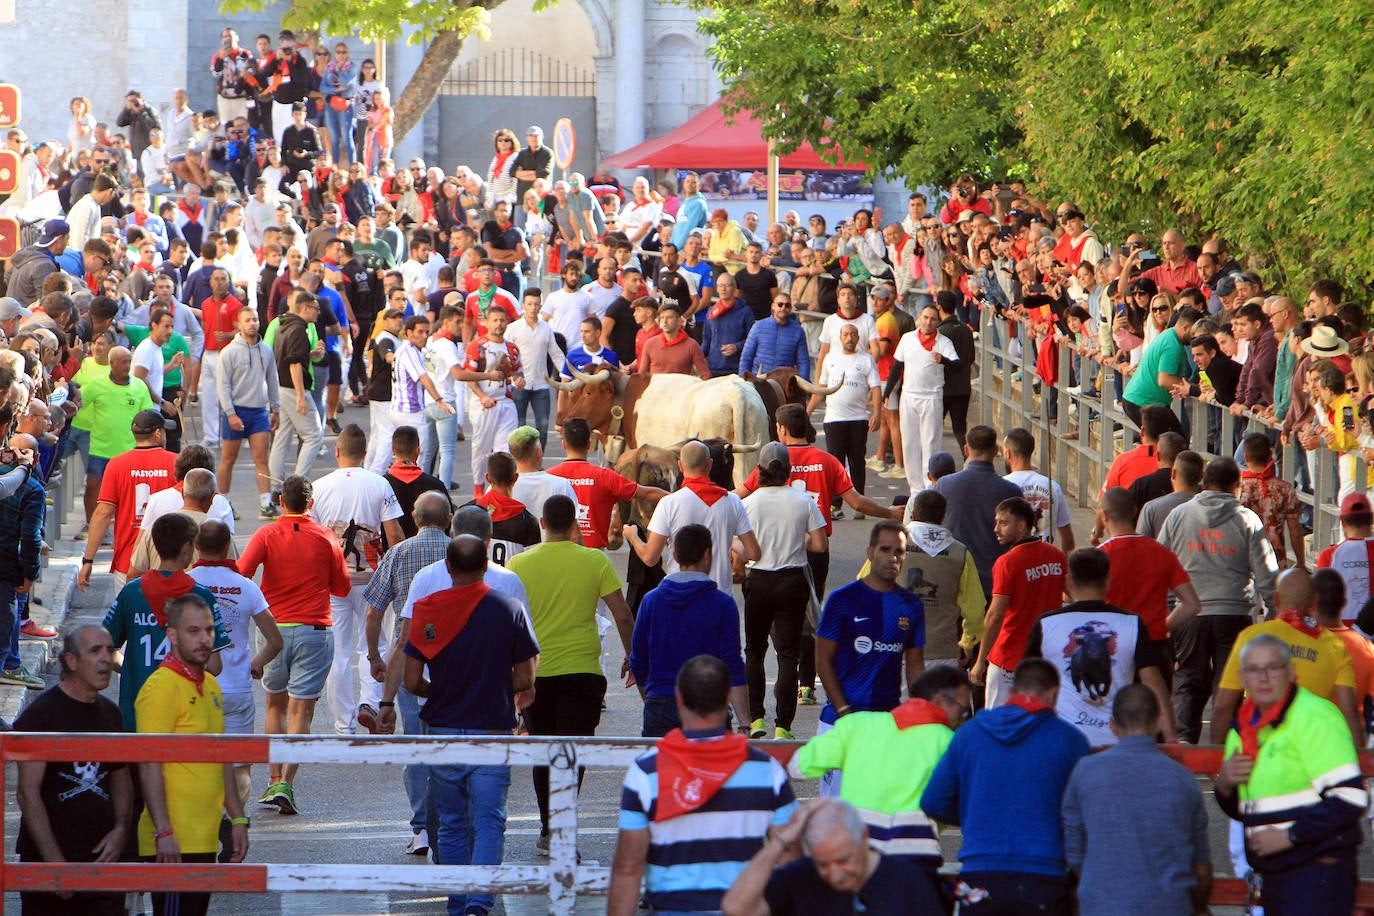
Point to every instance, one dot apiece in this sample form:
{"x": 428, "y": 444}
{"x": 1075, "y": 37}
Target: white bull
{"x": 678, "y": 407}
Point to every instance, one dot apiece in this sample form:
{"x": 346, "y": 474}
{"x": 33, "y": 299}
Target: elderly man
{"x": 821, "y": 862}
{"x": 1292, "y": 778}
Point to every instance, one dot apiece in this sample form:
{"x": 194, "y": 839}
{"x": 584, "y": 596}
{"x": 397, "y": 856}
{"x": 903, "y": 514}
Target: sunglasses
{"x": 783, "y": 305}
{"x": 1159, "y": 308}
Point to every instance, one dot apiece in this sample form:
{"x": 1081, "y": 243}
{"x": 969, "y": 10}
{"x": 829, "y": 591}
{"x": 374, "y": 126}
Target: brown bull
{"x": 783, "y": 386}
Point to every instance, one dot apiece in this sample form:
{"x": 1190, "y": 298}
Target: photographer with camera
{"x": 963, "y": 195}
{"x": 232, "y": 151}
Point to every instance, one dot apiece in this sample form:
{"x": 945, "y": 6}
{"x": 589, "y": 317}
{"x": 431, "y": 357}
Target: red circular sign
{"x": 564, "y": 143}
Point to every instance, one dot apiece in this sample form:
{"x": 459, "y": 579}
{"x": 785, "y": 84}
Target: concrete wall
{"x": 467, "y": 122}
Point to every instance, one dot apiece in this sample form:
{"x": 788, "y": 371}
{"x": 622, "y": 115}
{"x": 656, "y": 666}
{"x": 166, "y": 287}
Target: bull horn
{"x": 746, "y": 449}
{"x": 811, "y": 388}
{"x": 595, "y": 378}
{"x": 562, "y": 385}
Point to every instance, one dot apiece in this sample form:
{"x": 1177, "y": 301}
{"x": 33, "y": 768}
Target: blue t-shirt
{"x": 336, "y": 308}
{"x": 871, "y": 629}
{"x": 580, "y": 359}
{"x": 469, "y": 677}
{"x": 702, "y": 271}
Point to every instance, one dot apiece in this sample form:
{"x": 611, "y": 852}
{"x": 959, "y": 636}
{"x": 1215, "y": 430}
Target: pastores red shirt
{"x": 1143, "y": 572}
{"x": 219, "y": 315}
{"x": 129, "y": 480}
{"x": 1130, "y": 467}
{"x": 1031, "y": 574}
{"x": 308, "y": 567}
{"x": 597, "y": 489}
{"x": 819, "y": 472}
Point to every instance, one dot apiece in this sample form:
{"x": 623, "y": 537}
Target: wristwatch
{"x": 1293, "y": 834}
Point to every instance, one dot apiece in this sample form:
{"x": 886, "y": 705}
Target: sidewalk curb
{"x": 56, "y": 589}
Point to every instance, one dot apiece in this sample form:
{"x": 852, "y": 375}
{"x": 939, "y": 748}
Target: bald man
{"x": 1321, "y": 663}
{"x": 1177, "y": 273}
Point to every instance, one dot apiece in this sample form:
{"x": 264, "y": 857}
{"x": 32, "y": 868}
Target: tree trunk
{"x": 423, "y": 87}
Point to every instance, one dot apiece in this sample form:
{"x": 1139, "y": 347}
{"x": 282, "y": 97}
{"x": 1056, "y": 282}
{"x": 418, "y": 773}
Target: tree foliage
{"x": 1250, "y": 119}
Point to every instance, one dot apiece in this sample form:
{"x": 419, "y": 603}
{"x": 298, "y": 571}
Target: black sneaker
{"x": 333, "y": 425}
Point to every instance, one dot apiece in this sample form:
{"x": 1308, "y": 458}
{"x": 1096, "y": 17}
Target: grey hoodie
{"x": 247, "y": 376}
{"x": 1222, "y": 546}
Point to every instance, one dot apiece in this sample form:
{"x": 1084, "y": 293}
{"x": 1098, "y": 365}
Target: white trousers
{"x": 922, "y": 422}
{"x": 998, "y": 688}
{"x": 209, "y": 398}
{"x": 350, "y": 678}
{"x": 380, "y": 428}
{"x": 489, "y": 431}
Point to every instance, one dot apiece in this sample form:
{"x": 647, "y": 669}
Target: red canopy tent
{"x": 707, "y": 141}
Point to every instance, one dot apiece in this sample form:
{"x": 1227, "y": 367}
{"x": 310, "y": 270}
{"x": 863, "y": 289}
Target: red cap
{"x": 1355, "y": 504}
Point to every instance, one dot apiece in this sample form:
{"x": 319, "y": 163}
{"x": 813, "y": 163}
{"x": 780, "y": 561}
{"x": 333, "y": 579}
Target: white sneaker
{"x": 419, "y": 846}
{"x": 875, "y": 464}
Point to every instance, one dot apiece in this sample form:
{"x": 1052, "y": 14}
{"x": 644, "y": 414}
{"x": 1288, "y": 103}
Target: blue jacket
{"x": 1011, "y": 822}
{"x": 685, "y": 616}
{"x": 771, "y": 345}
{"x": 730, "y": 328}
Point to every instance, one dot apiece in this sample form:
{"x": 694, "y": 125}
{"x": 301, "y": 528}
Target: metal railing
{"x": 522, "y": 72}
{"x": 1079, "y": 462}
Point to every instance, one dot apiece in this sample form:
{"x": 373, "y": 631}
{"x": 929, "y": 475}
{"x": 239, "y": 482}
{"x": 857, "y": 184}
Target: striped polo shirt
{"x": 694, "y": 858}
{"x": 407, "y": 389}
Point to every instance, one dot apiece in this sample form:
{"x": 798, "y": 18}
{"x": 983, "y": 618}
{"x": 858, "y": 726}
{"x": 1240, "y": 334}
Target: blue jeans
{"x": 660, "y": 716}
{"x": 443, "y": 439}
{"x": 471, "y": 803}
{"x": 539, "y": 401}
{"x": 9, "y": 625}
{"x": 415, "y": 775}
{"x": 340, "y": 127}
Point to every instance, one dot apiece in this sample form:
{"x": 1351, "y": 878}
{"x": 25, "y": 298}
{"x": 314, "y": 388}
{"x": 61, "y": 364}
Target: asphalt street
{"x": 359, "y": 814}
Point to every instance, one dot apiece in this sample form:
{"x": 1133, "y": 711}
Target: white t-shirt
{"x": 170, "y": 500}
{"x": 1033, "y": 487}
{"x": 533, "y": 488}
{"x": 726, "y": 519}
{"x": 602, "y": 297}
{"x": 441, "y": 355}
{"x": 564, "y": 312}
{"x": 149, "y": 356}
{"x": 922, "y": 376}
{"x": 1097, "y": 652}
{"x": 435, "y": 578}
{"x": 238, "y": 601}
{"x": 830, "y": 328}
{"x": 353, "y": 502}
{"x": 860, "y": 375}
{"x": 782, "y": 517}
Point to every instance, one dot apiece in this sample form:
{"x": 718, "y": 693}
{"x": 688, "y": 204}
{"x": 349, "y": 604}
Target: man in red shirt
{"x": 220, "y": 315}
{"x": 598, "y": 489}
{"x": 827, "y": 482}
{"x": 1144, "y": 574}
{"x": 1177, "y": 273}
{"x": 1130, "y": 466}
{"x": 1027, "y": 581}
{"x": 129, "y": 480}
{"x": 673, "y": 350}
{"x": 302, "y": 566}
{"x": 483, "y": 298}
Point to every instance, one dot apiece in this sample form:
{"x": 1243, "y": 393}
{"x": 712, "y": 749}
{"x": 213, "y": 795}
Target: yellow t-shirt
{"x": 563, "y": 581}
{"x": 169, "y": 704}
{"x": 1320, "y": 664}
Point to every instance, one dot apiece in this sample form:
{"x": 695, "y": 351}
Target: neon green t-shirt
{"x": 115, "y": 407}
{"x": 564, "y": 581}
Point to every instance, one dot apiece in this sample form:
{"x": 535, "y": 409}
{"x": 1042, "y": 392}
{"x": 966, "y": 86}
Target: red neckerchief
{"x": 91, "y": 284}
{"x": 690, "y": 773}
{"x": 499, "y": 506}
{"x": 226, "y": 563}
{"x": 139, "y": 218}
{"x": 1263, "y": 477}
{"x": 159, "y": 589}
{"x": 922, "y": 338}
{"x": 192, "y": 216}
{"x": 1305, "y": 625}
{"x": 706, "y": 491}
{"x": 444, "y": 335}
{"x": 438, "y": 618}
{"x": 499, "y": 166}
{"x": 1249, "y": 720}
{"x": 898, "y": 248}
{"x": 145, "y": 265}
{"x": 919, "y": 712}
{"x": 720, "y": 308}
{"x": 405, "y": 473}
{"x": 681, "y": 336}
{"x": 177, "y": 666}
{"x": 1030, "y": 704}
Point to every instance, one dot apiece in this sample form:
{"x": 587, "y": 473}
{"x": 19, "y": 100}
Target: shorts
{"x": 79, "y": 442}
{"x": 179, "y": 157}
{"x": 998, "y": 687}
{"x": 95, "y": 467}
{"x": 893, "y": 401}
{"x": 302, "y": 666}
{"x": 238, "y": 713}
{"x": 255, "y": 420}
{"x": 334, "y": 364}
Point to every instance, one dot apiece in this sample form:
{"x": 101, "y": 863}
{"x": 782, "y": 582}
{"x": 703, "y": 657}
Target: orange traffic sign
{"x": 9, "y": 238}
{"x": 9, "y": 105}
{"x": 9, "y": 171}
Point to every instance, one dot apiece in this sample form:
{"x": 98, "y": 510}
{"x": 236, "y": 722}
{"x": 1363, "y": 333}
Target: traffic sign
{"x": 9, "y": 105}
{"x": 9, "y": 171}
{"x": 564, "y": 143}
{"x": 9, "y": 238}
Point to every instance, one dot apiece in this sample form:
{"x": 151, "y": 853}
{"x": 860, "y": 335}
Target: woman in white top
{"x": 81, "y": 128}
{"x": 501, "y": 173}
{"x": 368, "y": 84}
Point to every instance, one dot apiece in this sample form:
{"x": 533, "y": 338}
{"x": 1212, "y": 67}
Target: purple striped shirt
{"x": 408, "y": 393}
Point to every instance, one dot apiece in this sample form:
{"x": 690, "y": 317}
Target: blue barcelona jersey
{"x": 871, "y": 630}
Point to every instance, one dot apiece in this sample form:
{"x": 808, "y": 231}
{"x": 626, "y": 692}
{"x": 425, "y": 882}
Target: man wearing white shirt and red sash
{"x": 492, "y": 371}
{"x": 918, "y": 364}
